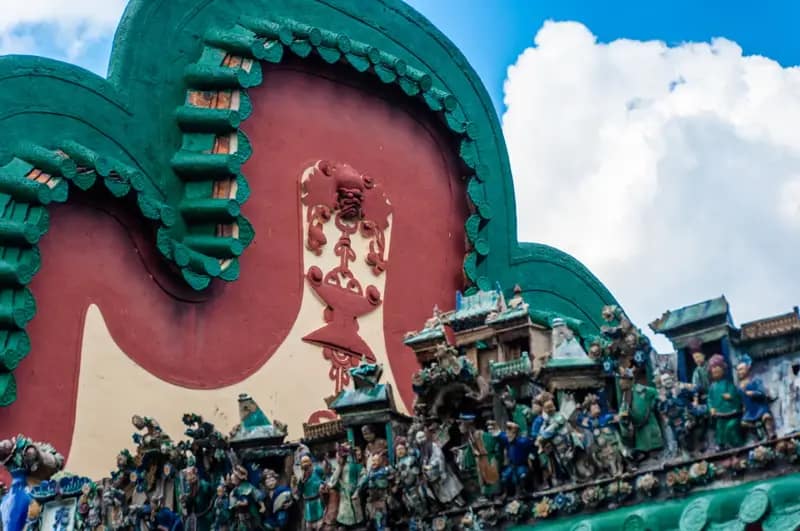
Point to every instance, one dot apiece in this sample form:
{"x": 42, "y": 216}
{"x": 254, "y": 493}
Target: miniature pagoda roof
{"x": 472, "y": 310}
{"x": 255, "y": 425}
{"x": 367, "y": 392}
{"x": 351, "y": 398}
{"x": 425, "y": 335}
{"x": 776, "y": 326}
{"x": 509, "y": 315}
{"x": 694, "y": 313}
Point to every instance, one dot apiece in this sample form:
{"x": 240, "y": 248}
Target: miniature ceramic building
{"x": 491, "y": 333}
{"x": 708, "y": 322}
{"x": 773, "y": 344}
{"x": 370, "y": 402}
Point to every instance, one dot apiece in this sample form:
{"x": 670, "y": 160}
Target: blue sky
{"x": 654, "y": 141}
{"x": 492, "y": 33}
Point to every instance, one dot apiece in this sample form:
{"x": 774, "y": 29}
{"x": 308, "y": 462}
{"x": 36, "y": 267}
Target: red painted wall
{"x": 94, "y": 254}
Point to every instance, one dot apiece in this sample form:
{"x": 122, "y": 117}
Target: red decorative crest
{"x": 357, "y": 205}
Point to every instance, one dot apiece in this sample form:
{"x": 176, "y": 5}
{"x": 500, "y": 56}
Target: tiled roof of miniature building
{"x": 693, "y": 313}
{"x": 509, "y": 314}
{"x": 350, "y": 398}
{"x": 424, "y": 335}
{"x": 778, "y": 325}
{"x": 472, "y": 310}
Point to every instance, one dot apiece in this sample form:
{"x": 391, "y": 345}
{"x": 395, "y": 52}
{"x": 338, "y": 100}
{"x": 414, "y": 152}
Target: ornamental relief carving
{"x": 347, "y": 219}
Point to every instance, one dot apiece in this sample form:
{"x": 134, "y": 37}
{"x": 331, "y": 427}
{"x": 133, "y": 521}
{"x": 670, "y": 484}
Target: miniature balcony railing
{"x": 500, "y": 370}
{"x": 323, "y": 430}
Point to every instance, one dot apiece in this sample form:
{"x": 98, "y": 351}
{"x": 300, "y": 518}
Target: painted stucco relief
{"x": 353, "y": 210}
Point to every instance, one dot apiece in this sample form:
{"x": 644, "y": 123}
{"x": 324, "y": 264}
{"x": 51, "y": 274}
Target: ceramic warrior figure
{"x": 755, "y": 400}
{"x": 375, "y": 445}
{"x": 682, "y": 414}
{"x": 408, "y": 480}
{"x": 440, "y": 479}
{"x": 377, "y": 481}
{"x": 557, "y": 443}
{"x": 638, "y": 419}
{"x": 307, "y": 487}
{"x": 725, "y": 405}
{"x": 700, "y": 377}
{"x": 245, "y": 500}
{"x": 196, "y": 499}
{"x": 277, "y": 501}
{"x": 346, "y": 473}
{"x": 330, "y": 493}
{"x": 480, "y": 454}
{"x": 565, "y": 344}
{"x": 518, "y": 450}
{"x": 605, "y": 445}
{"x": 222, "y": 509}
{"x": 518, "y": 413}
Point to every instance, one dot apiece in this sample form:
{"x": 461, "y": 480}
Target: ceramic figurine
{"x": 24, "y": 458}
{"x": 565, "y": 344}
{"x": 755, "y": 401}
{"x": 330, "y": 493}
{"x": 518, "y": 450}
{"x": 638, "y": 415}
{"x": 375, "y": 445}
{"x": 725, "y": 405}
{"x": 443, "y": 482}
{"x": 222, "y": 509}
{"x": 680, "y": 410}
{"x": 307, "y": 487}
{"x": 376, "y": 480}
{"x": 408, "y": 480}
{"x": 346, "y": 474}
{"x": 557, "y": 444}
{"x": 700, "y": 375}
{"x": 604, "y": 445}
{"x": 245, "y": 500}
{"x": 518, "y": 413}
{"x": 277, "y": 501}
{"x": 196, "y": 499}
{"x": 481, "y": 455}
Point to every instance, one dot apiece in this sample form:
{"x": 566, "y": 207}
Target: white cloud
{"x": 673, "y": 173}
{"x": 62, "y": 29}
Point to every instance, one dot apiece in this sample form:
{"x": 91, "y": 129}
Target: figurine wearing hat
{"x": 278, "y": 501}
{"x": 346, "y": 474}
{"x": 520, "y": 414}
{"x": 724, "y": 404}
{"x": 481, "y": 454}
{"x": 307, "y": 487}
{"x": 518, "y": 449}
{"x": 755, "y": 400}
{"x": 245, "y": 500}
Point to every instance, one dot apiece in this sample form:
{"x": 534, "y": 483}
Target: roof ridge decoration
{"x": 174, "y": 139}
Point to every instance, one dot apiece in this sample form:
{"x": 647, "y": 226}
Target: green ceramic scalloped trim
{"x": 772, "y": 502}
{"x": 270, "y": 39}
{"x": 24, "y": 220}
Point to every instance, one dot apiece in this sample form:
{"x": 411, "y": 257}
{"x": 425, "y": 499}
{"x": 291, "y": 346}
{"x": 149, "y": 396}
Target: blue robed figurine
{"x": 755, "y": 399}
{"x": 518, "y": 450}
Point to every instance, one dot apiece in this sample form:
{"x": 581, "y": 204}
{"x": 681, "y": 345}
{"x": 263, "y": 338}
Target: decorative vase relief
{"x": 339, "y": 200}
